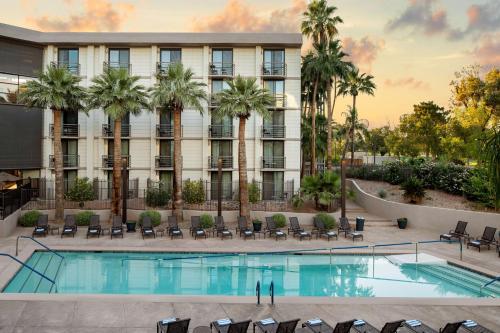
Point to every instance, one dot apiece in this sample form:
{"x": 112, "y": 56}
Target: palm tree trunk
{"x": 313, "y": 129}
{"x": 329, "y": 163}
{"x": 242, "y": 169}
{"x": 117, "y": 168}
{"x": 352, "y": 129}
{"x": 177, "y": 165}
{"x": 58, "y": 167}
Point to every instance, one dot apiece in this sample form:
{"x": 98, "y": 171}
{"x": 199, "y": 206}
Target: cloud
{"x": 409, "y": 82}
{"x": 238, "y": 16}
{"x": 363, "y": 52}
{"x": 487, "y": 51}
{"x": 99, "y": 15}
{"x": 481, "y": 18}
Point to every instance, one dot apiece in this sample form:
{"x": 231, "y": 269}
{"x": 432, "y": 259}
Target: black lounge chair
{"x": 173, "y": 325}
{"x": 243, "y": 228}
{"x": 147, "y": 227}
{"x": 297, "y": 230}
{"x": 419, "y": 327}
{"x": 117, "y": 227}
{"x": 273, "y": 230}
{"x": 487, "y": 239}
{"x": 173, "y": 227}
{"x": 346, "y": 228}
{"x": 94, "y": 226}
{"x": 272, "y": 326}
{"x": 221, "y": 229}
{"x": 42, "y": 226}
{"x": 69, "y": 228}
{"x": 363, "y": 327}
{"x": 458, "y": 233}
{"x": 320, "y": 326}
{"x": 321, "y": 231}
{"x": 196, "y": 229}
{"x": 231, "y": 327}
{"x": 473, "y": 327}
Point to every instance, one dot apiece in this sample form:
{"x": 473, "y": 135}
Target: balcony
{"x": 117, "y": 65}
{"x": 107, "y": 130}
{"x": 165, "y": 131}
{"x": 227, "y": 162}
{"x": 274, "y": 70}
{"x": 212, "y": 101}
{"x": 107, "y": 161}
{"x": 219, "y": 69}
{"x": 72, "y": 67}
{"x": 279, "y": 101}
{"x": 68, "y": 130}
{"x": 273, "y": 162}
{"x": 71, "y": 161}
{"x": 220, "y": 131}
{"x": 164, "y": 162}
{"x": 162, "y": 66}
{"x": 273, "y": 131}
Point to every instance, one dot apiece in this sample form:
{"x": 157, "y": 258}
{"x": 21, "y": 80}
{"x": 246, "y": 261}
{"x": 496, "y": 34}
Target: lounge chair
{"x": 272, "y": 326}
{"x": 173, "y": 227}
{"x": 196, "y": 229}
{"x": 487, "y": 239}
{"x": 321, "y": 231}
{"x": 458, "y": 233}
{"x": 117, "y": 227}
{"x": 147, "y": 227}
{"x": 472, "y": 326}
{"x": 42, "y": 226}
{"x": 173, "y": 325}
{"x": 419, "y": 327}
{"x": 69, "y": 228}
{"x": 273, "y": 230}
{"x": 363, "y": 327}
{"x": 243, "y": 228}
{"x": 345, "y": 227}
{"x": 94, "y": 226}
{"x": 220, "y": 228}
{"x": 228, "y": 325}
{"x": 297, "y": 230}
{"x": 319, "y": 326}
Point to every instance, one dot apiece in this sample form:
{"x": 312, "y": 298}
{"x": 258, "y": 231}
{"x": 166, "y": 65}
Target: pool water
{"x": 237, "y": 275}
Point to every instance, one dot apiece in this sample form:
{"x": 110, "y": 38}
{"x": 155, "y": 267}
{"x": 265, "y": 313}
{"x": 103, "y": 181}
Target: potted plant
{"x": 413, "y": 190}
{"x": 402, "y": 222}
{"x": 206, "y": 221}
{"x": 257, "y": 225}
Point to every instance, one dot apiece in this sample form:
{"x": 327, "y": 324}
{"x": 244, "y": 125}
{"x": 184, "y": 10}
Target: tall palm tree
{"x": 353, "y": 84}
{"x": 58, "y": 90}
{"x": 175, "y": 89}
{"x": 243, "y": 97}
{"x": 319, "y": 22}
{"x": 353, "y": 127}
{"x": 118, "y": 94}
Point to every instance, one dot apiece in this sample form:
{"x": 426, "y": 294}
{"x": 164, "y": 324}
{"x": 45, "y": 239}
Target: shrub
{"x": 322, "y": 188}
{"x": 153, "y": 215}
{"x": 193, "y": 192}
{"x": 413, "y": 190}
{"x": 253, "y": 192}
{"x": 328, "y": 220}
{"x": 297, "y": 201}
{"x": 83, "y": 218}
{"x": 279, "y": 220}
{"x": 29, "y": 219}
{"x": 157, "y": 197}
{"x": 382, "y": 193}
{"x": 206, "y": 221}
{"x": 82, "y": 190}
{"x": 479, "y": 189}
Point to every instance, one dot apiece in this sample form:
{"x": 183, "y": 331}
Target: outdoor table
{"x": 54, "y": 228}
{"x": 160, "y": 232}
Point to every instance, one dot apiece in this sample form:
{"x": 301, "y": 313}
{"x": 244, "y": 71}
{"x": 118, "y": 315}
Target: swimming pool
{"x": 237, "y": 275}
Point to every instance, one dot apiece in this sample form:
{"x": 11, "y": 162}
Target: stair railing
{"x": 39, "y": 243}
{"x": 257, "y": 292}
{"x": 30, "y": 268}
{"x": 487, "y": 284}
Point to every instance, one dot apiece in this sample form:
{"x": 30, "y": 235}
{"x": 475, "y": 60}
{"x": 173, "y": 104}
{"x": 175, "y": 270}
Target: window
{"x": 70, "y": 153}
{"x": 9, "y": 87}
{"x": 125, "y": 126}
{"x": 70, "y": 117}
{"x": 277, "y": 89}
{"x": 274, "y": 155}
{"x": 222, "y": 62}
{"x": 275, "y": 126}
{"x": 272, "y": 185}
{"x": 222, "y": 148}
{"x": 69, "y": 179}
{"x": 166, "y": 148}
{"x": 124, "y": 146}
{"x": 219, "y": 85}
{"x": 274, "y": 62}
{"x": 227, "y": 185}
{"x": 170, "y": 55}
{"x": 166, "y": 117}
{"x": 166, "y": 180}
{"x": 119, "y": 58}
{"x": 69, "y": 59}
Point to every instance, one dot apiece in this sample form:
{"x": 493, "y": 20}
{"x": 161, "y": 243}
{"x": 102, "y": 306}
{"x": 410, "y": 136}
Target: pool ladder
{"x": 271, "y": 292}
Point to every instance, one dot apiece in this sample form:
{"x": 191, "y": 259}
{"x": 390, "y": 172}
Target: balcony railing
{"x": 72, "y": 67}
{"x": 279, "y": 101}
{"x": 108, "y": 161}
{"x": 69, "y": 161}
{"x": 117, "y": 65}
{"x": 221, "y": 69}
{"x": 164, "y": 131}
{"x": 227, "y": 162}
{"x": 68, "y": 130}
{"x": 273, "y": 69}
{"x": 273, "y": 162}
{"x": 212, "y": 101}
{"x": 220, "y": 131}
{"x": 162, "y": 66}
{"x": 273, "y": 131}
{"x": 107, "y": 130}
{"x": 164, "y": 162}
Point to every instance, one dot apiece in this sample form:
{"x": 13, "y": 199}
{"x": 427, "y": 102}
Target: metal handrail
{"x": 497, "y": 278}
{"x": 30, "y": 268}
{"x": 271, "y": 292}
{"x": 39, "y": 243}
{"x": 257, "y": 292}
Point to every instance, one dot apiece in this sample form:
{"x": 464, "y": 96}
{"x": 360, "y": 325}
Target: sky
{"x": 411, "y": 47}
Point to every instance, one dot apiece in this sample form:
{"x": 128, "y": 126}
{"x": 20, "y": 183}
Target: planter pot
{"x": 402, "y": 222}
{"x": 257, "y": 226}
{"x": 130, "y": 226}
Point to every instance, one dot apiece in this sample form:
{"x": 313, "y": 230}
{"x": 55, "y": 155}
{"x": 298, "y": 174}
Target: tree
{"x": 319, "y": 22}
{"x": 353, "y": 84}
{"x": 118, "y": 94}
{"x": 491, "y": 152}
{"x": 243, "y": 97}
{"x": 354, "y": 126}
{"x": 176, "y": 90}
{"x": 306, "y": 135}
{"x": 375, "y": 141}
{"x": 58, "y": 90}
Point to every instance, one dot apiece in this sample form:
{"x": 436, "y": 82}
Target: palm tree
{"x": 118, "y": 94}
{"x": 176, "y": 90}
{"x": 353, "y": 127}
{"x": 353, "y": 84}
{"x": 58, "y": 90}
{"x": 242, "y": 98}
{"x": 319, "y": 22}
{"x": 305, "y": 140}
{"x": 491, "y": 153}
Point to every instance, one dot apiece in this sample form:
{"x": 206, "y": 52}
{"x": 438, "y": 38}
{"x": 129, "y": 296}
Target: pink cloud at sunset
{"x": 407, "y": 82}
{"x": 363, "y": 52}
